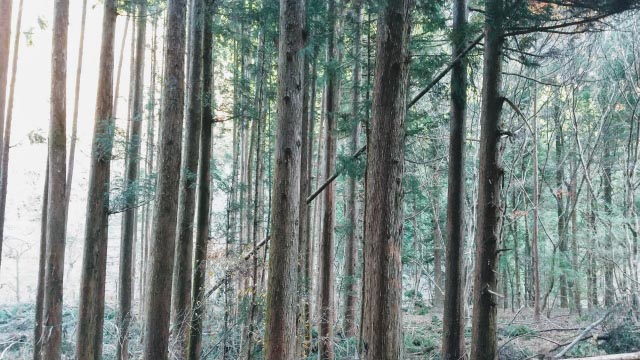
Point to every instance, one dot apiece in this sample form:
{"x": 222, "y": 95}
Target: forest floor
{"x": 519, "y": 335}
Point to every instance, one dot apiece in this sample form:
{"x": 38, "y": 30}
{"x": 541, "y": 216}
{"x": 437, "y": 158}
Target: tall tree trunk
{"x": 534, "y": 228}
{"x": 607, "y": 161}
{"x": 204, "y": 187}
{"x": 163, "y": 238}
{"x": 254, "y": 188}
{"x": 7, "y": 128}
{"x": 327, "y": 251}
{"x": 76, "y": 104}
{"x": 560, "y": 205}
{"x": 280, "y": 328}
{"x": 575, "y": 264}
{"x": 119, "y": 72}
{"x": 94, "y": 260}
{"x": 37, "y": 329}
{"x": 453, "y": 315}
{"x": 56, "y": 223}
{"x": 592, "y": 270}
{"x": 126, "y": 274}
{"x": 182, "y": 269}
{"x": 484, "y": 339}
{"x": 5, "y": 35}
{"x": 382, "y": 293}
{"x": 351, "y": 244}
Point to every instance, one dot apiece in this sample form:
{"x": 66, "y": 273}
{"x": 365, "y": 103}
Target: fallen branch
{"x": 583, "y": 333}
{"x": 627, "y": 356}
{"x": 233, "y": 269}
{"x": 419, "y": 96}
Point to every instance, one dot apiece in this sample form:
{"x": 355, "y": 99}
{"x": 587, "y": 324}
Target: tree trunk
{"x": 162, "y": 242}
{"x": 575, "y": 264}
{"x": 182, "y": 270}
{"x": 94, "y": 261}
{"x": 534, "y": 229}
{"x": 327, "y": 272}
{"x": 484, "y": 339}
{"x": 119, "y": 72}
{"x": 351, "y": 245}
{"x": 609, "y": 290}
{"x": 5, "y": 35}
{"x": 382, "y": 294}
{"x": 56, "y": 223}
{"x": 37, "y": 329}
{"x": 592, "y": 271}
{"x": 280, "y": 327}
{"x": 126, "y": 274}
{"x": 204, "y": 188}
{"x": 76, "y": 103}
{"x": 562, "y": 214}
{"x": 453, "y": 315}
{"x": 7, "y": 128}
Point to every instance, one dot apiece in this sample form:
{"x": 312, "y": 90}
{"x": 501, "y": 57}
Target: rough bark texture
{"x": 56, "y": 223}
{"x": 327, "y": 248}
{"x": 453, "y": 316}
{"x": 37, "y": 329}
{"x": 280, "y": 328}
{"x": 162, "y": 242}
{"x": 351, "y": 246}
{"x": 485, "y": 301}
{"x": 204, "y": 189}
{"x": 607, "y": 161}
{"x": 126, "y": 274}
{"x": 94, "y": 260}
{"x": 382, "y": 293}
{"x": 182, "y": 270}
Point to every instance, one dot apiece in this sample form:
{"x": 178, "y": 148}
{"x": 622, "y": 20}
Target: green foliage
{"x": 517, "y": 330}
{"x": 421, "y": 341}
{"x": 623, "y": 339}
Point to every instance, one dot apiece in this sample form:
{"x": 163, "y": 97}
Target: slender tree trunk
{"x": 76, "y": 104}
{"x": 37, "y": 329}
{"x": 119, "y": 72}
{"x": 534, "y": 229}
{"x": 204, "y": 187}
{"x": 592, "y": 272}
{"x": 280, "y": 328}
{"x": 437, "y": 253}
{"x": 351, "y": 244}
{"x": 516, "y": 252}
{"x": 453, "y": 315}
{"x": 7, "y": 128}
{"x": 163, "y": 238}
{"x": 327, "y": 272}
{"x": 609, "y": 291}
{"x": 382, "y": 293}
{"x": 56, "y": 223}
{"x": 562, "y": 214}
{"x": 484, "y": 339}
{"x": 574, "y": 242}
{"x": 5, "y": 35}
{"x": 255, "y": 189}
{"x": 126, "y": 274}
{"x": 94, "y": 261}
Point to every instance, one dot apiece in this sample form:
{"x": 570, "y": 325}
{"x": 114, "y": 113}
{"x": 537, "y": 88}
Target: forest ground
{"x": 520, "y": 336}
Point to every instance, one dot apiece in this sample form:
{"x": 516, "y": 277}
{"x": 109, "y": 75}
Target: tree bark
{"x": 56, "y": 223}
{"x": 126, "y": 274}
{"x": 609, "y": 290}
{"x": 37, "y": 329}
{"x": 204, "y": 187}
{"x": 382, "y": 293}
{"x": 94, "y": 261}
{"x": 351, "y": 245}
{"x": 182, "y": 270}
{"x": 453, "y": 315}
{"x": 7, "y": 127}
{"x": 280, "y": 328}
{"x": 327, "y": 251}
{"x": 485, "y": 302}
{"x": 162, "y": 242}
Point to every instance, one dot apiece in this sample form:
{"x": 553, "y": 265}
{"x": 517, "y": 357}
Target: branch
{"x": 583, "y": 333}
